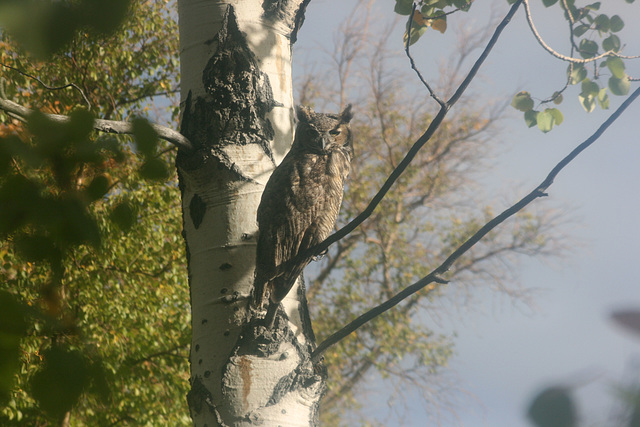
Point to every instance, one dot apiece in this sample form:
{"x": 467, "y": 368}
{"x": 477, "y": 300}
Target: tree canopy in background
{"x": 93, "y": 274}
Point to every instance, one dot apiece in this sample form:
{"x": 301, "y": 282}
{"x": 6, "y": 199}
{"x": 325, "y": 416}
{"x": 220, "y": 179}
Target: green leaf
{"x": 553, "y": 407}
{"x": 588, "y": 48}
{"x": 416, "y": 33}
{"x": 611, "y": 43}
{"x": 530, "y": 118}
{"x": 37, "y": 247}
{"x": 602, "y": 23}
{"x": 578, "y": 74}
{"x": 80, "y": 124}
{"x": 616, "y": 23}
{"x": 146, "y": 137}
{"x": 603, "y": 98}
{"x": 580, "y": 30}
{"x": 13, "y": 326}
{"x": 154, "y": 169}
{"x": 616, "y": 66}
{"x": 589, "y": 88}
{"x": 124, "y": 216}
{"x": 403, "y": 7}
{"x": 549, "y": 118}
{"x": 545, "y": 121}
{"x": 593, "y": 6}
{"x": 57, "y": 386}
{"x": 557, "y": 98}
{"x": 98, "y": 187}
{"x": 588, "y": 102}
{"x": 558, "y": 118}
{"x": 105, "y": 16}
{"x": 522, "y": 101}
{"x": 548, "y": 3}
{"x": 619, "y": 86}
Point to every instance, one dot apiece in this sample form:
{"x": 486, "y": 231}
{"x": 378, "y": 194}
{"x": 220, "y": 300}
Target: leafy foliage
{"x": 428, "y": 14}
{"x": 593, "y": 37}
{"x": 92, "y": 274}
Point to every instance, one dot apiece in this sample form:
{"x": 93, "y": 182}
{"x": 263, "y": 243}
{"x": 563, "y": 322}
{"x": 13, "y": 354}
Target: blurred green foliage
{"x": 94, "y": 325}
{"x": 555, "y": 406}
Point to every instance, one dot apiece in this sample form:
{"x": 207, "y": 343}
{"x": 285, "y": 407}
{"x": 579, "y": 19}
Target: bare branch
{"x": 108, "y": 126}
{"x": 48, "y": 87}
{"x": 434, "y": 276}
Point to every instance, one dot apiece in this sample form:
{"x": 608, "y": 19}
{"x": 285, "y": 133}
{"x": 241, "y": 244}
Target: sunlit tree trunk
{"x": 237, "y": 110}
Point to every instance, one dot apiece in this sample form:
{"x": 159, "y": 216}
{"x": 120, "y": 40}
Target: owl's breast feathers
{"x": 298, "y": 210}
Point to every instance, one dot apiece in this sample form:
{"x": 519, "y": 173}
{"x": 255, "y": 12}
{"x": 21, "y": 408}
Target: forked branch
{"x": 435, "y": 275}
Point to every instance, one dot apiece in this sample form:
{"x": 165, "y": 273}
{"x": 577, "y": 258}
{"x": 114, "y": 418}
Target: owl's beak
{"x": 326, "y": 140}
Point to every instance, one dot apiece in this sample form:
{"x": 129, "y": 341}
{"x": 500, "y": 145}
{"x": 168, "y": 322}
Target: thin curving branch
{"x": 48, "y": 87}
{"x": 435, "y": 276}
{"x": 560, "y": 56}
{"x": 108, "y": 126}
{"x": 413, "y": 64}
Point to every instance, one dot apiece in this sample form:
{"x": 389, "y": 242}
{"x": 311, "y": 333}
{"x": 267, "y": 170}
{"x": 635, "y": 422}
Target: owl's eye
{"x": 335, "y": 132}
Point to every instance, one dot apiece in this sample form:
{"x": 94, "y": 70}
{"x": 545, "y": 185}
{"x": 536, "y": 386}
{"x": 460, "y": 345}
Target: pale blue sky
{"x": 507, "y": 352}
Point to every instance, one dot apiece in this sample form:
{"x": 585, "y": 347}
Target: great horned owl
{"x": 301, "y": 200}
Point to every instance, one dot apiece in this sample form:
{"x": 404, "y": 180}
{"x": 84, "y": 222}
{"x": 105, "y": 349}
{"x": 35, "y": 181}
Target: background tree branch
{"x": 107, "y": 126}
{"x": 435, "y": 275}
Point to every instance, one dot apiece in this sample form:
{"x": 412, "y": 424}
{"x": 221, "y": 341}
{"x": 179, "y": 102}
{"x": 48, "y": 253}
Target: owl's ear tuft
{"x": 346, "y": 115}
{"x": 304, "y": 114}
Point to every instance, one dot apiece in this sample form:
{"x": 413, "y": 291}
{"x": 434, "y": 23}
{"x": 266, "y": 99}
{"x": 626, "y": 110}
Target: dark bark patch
{"x": 197, "y": 209}
{"x": 198, "y": 396}
{"x": 226, "y": 266}
{"x": 299, "y": 20}
{"x": 240, "y": 95}
{"x": 278, "y": 10}
{"x": 304, "y": 311}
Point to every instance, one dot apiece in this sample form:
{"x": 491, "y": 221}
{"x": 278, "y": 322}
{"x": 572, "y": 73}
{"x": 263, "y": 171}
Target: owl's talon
{"x": 320, "y": 255}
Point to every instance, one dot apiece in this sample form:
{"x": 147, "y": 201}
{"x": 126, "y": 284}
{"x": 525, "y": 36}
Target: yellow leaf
{"x": 419, "y": 19}
{"x": 439, "y": 25}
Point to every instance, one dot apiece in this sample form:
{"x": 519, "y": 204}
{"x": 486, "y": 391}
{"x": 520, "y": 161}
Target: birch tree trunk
{"x": 237, "y": 110}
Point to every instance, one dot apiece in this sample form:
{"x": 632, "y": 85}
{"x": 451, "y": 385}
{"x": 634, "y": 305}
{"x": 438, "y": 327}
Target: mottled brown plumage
{"x": 301, "y": 200}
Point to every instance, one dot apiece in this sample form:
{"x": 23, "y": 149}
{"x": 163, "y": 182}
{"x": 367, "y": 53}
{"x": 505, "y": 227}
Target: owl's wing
{"x": 298, "y": 210}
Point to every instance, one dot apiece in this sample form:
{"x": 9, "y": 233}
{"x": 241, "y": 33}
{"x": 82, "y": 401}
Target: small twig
{"x": 108, "y": 126}
{"x": 560, "y": 56}
{"x": 46, "y": 86}
{"x": 434, "y": 276}
{"x": 572, "y": 50}
{"x": 413, "y": 64}
{"x": 169, "y": 352}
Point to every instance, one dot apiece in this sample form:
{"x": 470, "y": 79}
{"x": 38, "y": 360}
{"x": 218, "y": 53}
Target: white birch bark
{"x": 237, "y": 110}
